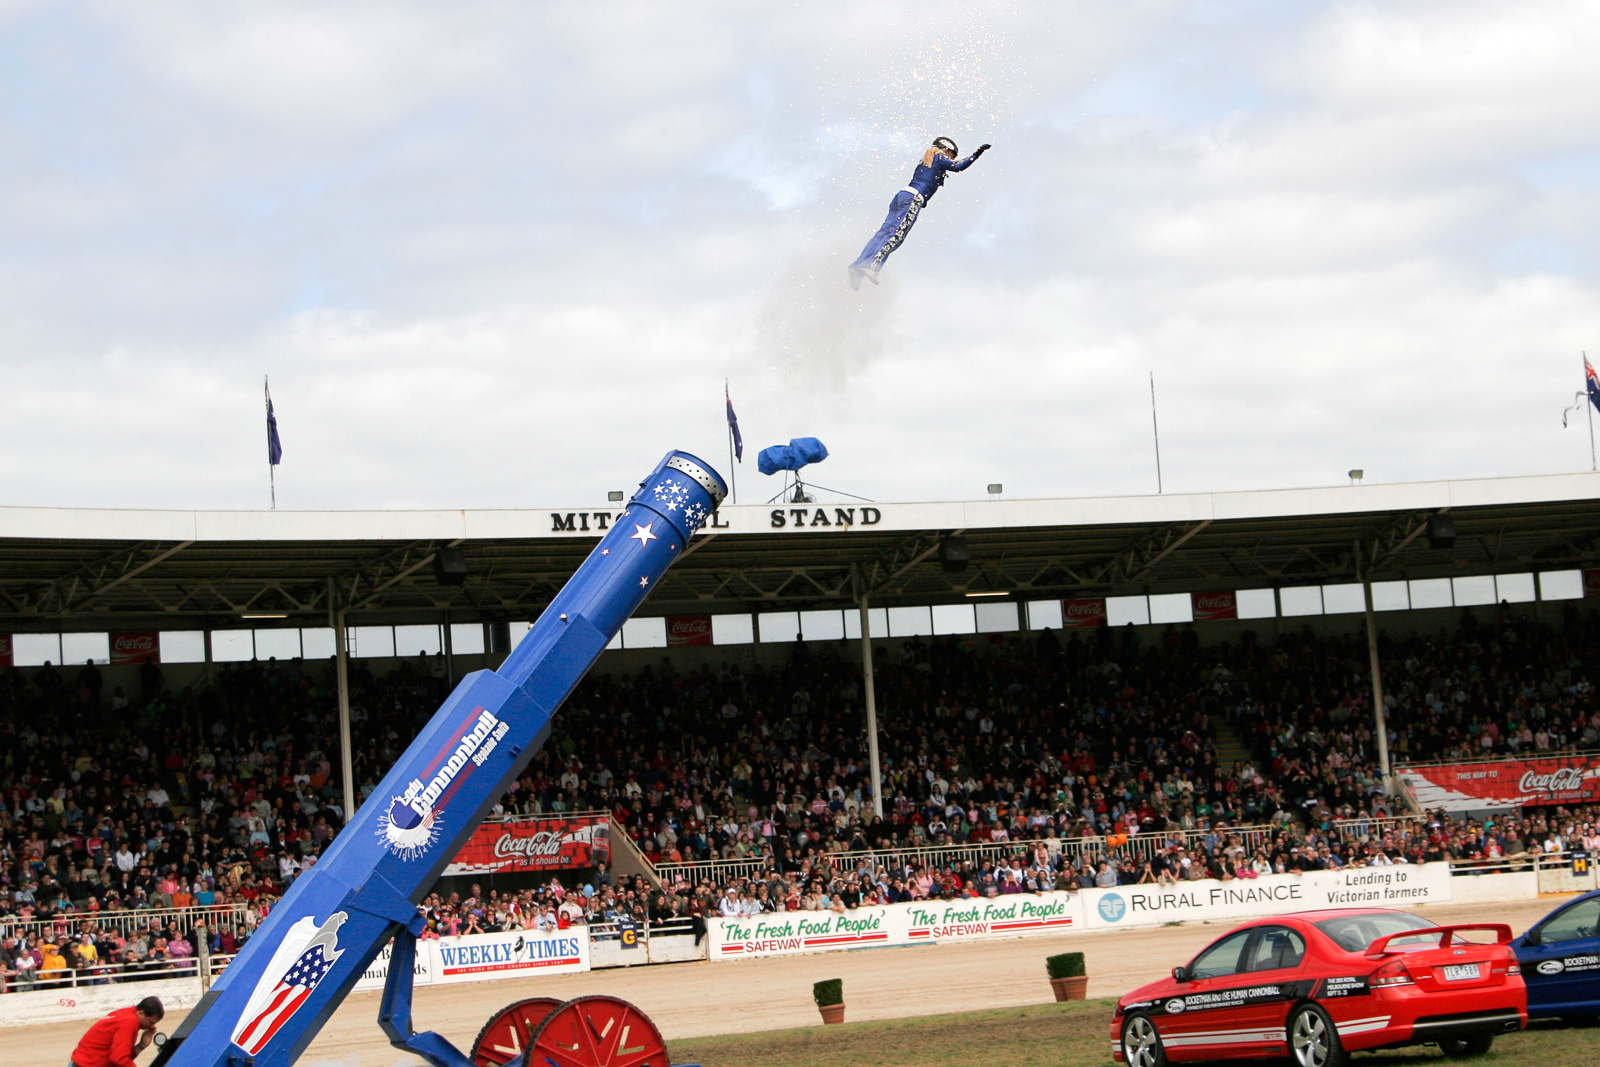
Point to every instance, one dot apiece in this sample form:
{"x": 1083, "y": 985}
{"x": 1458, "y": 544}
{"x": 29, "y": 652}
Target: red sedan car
{"x": 1319, "y": 985}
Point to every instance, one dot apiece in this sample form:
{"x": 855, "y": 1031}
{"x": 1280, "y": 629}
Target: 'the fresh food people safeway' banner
{"x": 919, "y": 923}
{"x": 1505, "y": 783}
{"x": 1401, "y": 885}
{"x": 553, "y": 843}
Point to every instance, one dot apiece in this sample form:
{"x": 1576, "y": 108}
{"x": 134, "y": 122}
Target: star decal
{"x": 605, "y": 552}
{"x": 642, "y": 534}
{"x": 644, "y": 580}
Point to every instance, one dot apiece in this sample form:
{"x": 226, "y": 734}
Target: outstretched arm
{"x": 946, "y": 163}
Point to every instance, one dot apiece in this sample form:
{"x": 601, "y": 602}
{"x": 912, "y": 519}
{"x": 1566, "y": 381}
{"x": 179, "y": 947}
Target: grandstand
{"x": 1067, "y": 694}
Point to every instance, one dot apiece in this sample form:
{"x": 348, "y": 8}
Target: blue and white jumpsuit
{"x": 903, "y": 211}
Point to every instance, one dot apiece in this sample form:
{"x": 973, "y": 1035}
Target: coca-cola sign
{"x": 689, "y": 630}
{"x": 5, "y": 650}
{"x": 1505, "y": 783}
{"x": 1591, "y": 583}
{"x": 535, "y": 844}
{"x": 1213, "y": 607}
{"x": 1084, "y": 613}
{"x": 136, "y": 646}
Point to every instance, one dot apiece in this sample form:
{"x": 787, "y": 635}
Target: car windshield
{"x": 1354, "y": 933}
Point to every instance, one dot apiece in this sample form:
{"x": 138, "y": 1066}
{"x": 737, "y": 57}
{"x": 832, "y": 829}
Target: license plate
{"x": 1460, "y": 972}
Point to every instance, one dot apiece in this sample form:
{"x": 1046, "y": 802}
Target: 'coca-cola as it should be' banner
{"x": 556, "y": 843}
{"x": 1506, "y": 783}
{"x": 1084, "y": 613}
{"x": 689, "y": 630}
{"x": 1214, "y": 607}
{"x": 136, "y": 646}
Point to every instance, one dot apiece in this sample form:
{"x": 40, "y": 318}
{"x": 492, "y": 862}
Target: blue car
{"x": 1560, "y": 959}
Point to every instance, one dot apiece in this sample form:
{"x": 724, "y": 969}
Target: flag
{"x": 1591, "y": 386}
{"x": 301, "y": 962}
{"x": 738, "y": 439}
{"x": 274, "y": 446}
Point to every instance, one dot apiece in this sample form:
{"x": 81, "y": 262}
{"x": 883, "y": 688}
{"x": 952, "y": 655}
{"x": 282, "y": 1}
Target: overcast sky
{"x": 505, "y": 254}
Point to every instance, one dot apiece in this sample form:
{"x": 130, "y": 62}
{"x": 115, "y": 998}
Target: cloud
{"x": 504, "y": 255}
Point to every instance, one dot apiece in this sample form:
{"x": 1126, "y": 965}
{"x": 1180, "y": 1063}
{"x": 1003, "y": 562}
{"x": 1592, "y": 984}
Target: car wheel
{"x": 1464, "y": 1048}
{"x": 1141, "y": 1045}
{"x": 1314, "y": 1040}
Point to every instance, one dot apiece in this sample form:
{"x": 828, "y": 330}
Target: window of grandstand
{"x": 1044, "y": 614}
{"x": 1514, "y": 588}
{"x": 1431, "y": 593}
{"x": 418, "y": 640}
{"x": 822, "y": 625}
{"x": 372, "y": 642}
{"x": 647, "y": 632}
{"x": 778, "y": 627}
{"x": 996, "y": 617}
{"x": 910, "y": 622}
{"x": 1257, "y": 603}
{"x": 466, "y": 638}
{"x": 1478, "y": 589}
{"x": 954, "y": 619}
{"x": 1296, "y": 600}
{"x": 317, "y": 642}
{"x": 518, "y": 630}
{"x": 35, "y": 650}
{"x": 277, "y": 644}
{"x": 1344, "y": 598}
{"x": 1391, "y": 596}
{"x": 182, "y": 646}
{"x": 1168, "y": 608}
{"x": 232, "y": 646}
{"x": 1561, "y": 585}
{"x": 1121, "y": 610}
{"x": 732, "y": 630}
{"x": 877, "y": 619}
{"x": 78, "y": 648}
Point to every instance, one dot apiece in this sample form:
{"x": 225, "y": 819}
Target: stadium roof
{"x": 86, "y": 569}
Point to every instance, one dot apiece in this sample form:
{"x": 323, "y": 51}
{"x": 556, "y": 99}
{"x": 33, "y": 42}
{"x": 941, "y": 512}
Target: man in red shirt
{"x": 110, "y": 1042}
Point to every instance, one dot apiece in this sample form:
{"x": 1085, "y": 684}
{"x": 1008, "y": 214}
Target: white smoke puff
{"x": 814, "y": 331}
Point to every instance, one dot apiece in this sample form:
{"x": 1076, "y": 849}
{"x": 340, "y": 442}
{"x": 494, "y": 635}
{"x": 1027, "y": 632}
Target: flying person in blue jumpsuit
{"x": 907, "y": 204}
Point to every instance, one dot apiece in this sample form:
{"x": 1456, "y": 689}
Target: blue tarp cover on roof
{"x": 792, "y": 456}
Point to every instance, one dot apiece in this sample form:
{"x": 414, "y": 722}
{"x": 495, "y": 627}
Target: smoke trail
{"x": 814, "y": 331}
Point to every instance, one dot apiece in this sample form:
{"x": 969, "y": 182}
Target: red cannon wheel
{"x": 509, "y": 1032}
{"x": 598, "y": 1032}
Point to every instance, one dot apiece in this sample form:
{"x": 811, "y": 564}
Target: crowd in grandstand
{"x": 222, "y": 792}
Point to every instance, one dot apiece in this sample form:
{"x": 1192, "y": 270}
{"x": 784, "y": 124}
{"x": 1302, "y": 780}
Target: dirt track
{"x": 693, "y": 999}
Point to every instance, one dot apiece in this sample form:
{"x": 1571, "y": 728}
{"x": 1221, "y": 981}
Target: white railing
{"x": 604, "y": 930}
{"x": 100, "y": 974}
{"x": 71, "y": 924}
{"x": 1078, "y": 850}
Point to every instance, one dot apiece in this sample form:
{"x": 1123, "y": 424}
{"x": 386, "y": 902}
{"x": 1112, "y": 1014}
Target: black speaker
{"x": 450, "y": 566}
{"x": 1441, "y": 531}
{"x": 953, "y": 554}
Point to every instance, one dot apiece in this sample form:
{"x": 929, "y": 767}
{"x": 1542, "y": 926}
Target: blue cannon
{"x": 363, "y": 894}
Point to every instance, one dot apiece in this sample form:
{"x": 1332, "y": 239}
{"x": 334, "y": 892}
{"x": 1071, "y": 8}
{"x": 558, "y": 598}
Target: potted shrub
{"x": 1067, "y": 977}
{"x": 829, "y": 996}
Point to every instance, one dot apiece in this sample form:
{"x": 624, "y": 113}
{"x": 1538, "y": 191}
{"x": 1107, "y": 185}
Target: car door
{"x": 1274, "y": 963}
{"x": 1212, "y": 1013}
{"x": 1561, "y": 961}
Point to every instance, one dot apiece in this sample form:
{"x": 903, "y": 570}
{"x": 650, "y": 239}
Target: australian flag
{"x": 274, "y": 446}
{"x": 1591, "y": 387}
{"x": 738, "y": 438}
{"x": 306, "y": 955}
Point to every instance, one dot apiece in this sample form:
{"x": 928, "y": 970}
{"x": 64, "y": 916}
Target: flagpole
{"x": 1155, "y": 429}
{"x": 733, "y": 478}
{"x": 1588, "y": 409}
{"x": 272, "y": 475}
